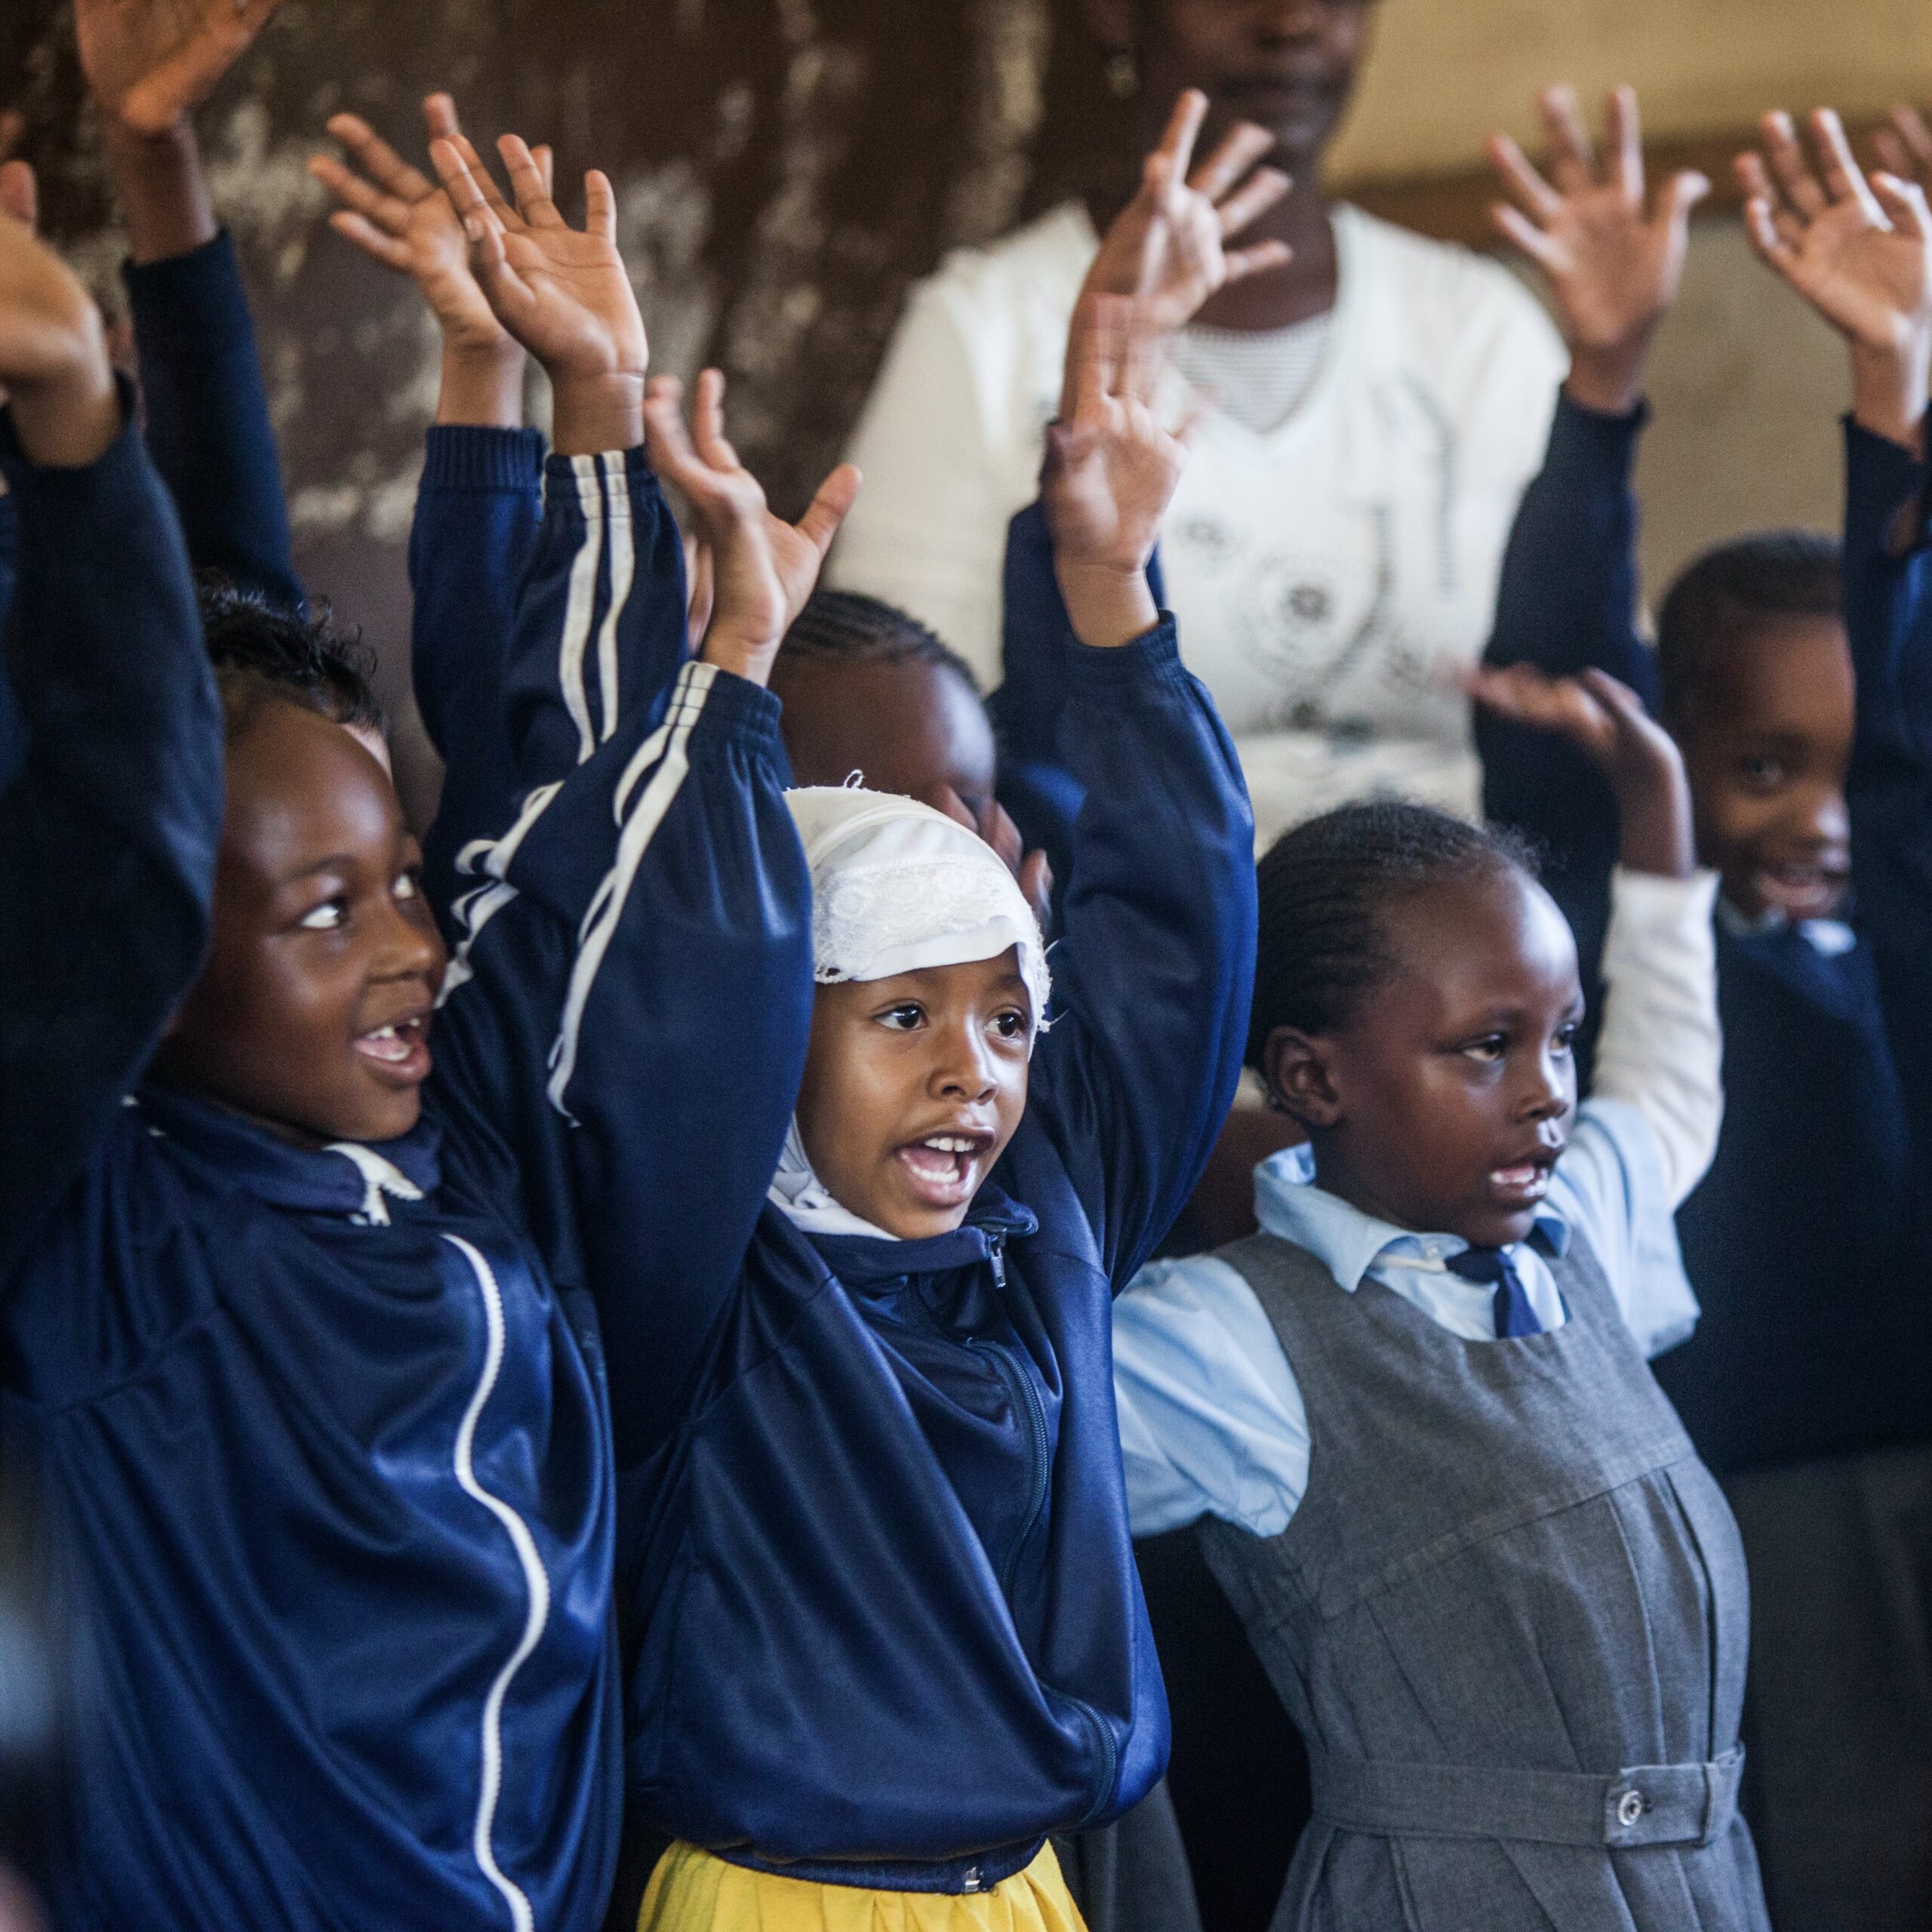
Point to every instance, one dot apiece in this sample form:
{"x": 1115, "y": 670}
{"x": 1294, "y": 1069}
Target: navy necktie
{"x": 1514, "y": 1315}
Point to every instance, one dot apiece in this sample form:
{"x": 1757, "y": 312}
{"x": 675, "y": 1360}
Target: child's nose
{"x": 966, "y": 1067}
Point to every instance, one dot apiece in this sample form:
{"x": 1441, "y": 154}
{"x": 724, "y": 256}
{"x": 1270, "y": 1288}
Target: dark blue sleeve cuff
{"x": 468, "y": 457}
{"x": 744, "y": 714}
{"x": 1881, "y": 477}
{"x": 1152, "y": 658}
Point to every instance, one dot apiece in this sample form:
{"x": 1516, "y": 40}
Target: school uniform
{"x": 1809, "y": 1401}
{"x": 1499, "y": 1594}
{"x": 324, "y": 1432}
{"x": 883, "y": 1631}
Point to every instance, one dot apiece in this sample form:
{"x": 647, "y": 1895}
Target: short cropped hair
{"x": 1325, "y": 886}
{"x": 1770, "y": 574}
{"x": 262, "y": 650}
{"x": 847, "y": 627}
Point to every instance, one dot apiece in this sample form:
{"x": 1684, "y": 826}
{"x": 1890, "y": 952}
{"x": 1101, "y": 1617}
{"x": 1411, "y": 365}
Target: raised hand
{"x": 1111, "y": 469}
{"x": 1860, "y": 251}
{"x": 762, "y": 568}
{"x": 562, "y": 292}
{"x": 1606, "y": 720}
{"x": 1904, "y": 148}
{"x": 54, "y": 361}
{"x": 1611, "y": 256}
{"x": 149, "y": 62}
{"x": 1168, "y": 247}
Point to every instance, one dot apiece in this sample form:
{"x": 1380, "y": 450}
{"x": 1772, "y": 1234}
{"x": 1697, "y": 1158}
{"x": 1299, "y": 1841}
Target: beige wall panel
{"x": 1446, "y": 70}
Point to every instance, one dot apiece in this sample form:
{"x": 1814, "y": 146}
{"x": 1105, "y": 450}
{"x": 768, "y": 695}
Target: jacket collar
{"x": 351, "y": 1179}
{"x": 994, "y": 1218}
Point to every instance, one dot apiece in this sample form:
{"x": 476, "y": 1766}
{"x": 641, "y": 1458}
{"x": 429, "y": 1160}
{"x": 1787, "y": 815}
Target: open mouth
{"x": 399, "y": 1051}
{"x": 1521, "y": 1184}
{"x": 944, "y": 1168}
{"x": 1802, "y": 891}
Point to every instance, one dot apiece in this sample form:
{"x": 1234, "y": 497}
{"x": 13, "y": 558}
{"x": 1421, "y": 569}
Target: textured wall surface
{"x": 784, "y": 168}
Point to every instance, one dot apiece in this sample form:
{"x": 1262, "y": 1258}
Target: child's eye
{"x": 1489, "y": 1051}
{"x": 326, "y": 917}
{"x": 1761, "y": 772}
{"x": 902, "y": 1019}
{"x": 1566, "y": 1038}
{"x": 1012, "y": 1024}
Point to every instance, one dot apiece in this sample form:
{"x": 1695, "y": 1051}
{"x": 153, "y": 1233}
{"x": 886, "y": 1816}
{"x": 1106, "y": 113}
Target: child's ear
{"x": 1300, "y": 1078}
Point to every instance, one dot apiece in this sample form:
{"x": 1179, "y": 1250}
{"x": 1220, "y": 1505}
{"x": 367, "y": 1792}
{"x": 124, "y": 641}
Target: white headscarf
{"x": 896, "y": 887}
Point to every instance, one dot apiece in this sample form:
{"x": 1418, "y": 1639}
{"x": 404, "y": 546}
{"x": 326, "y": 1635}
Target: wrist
{"x": 1888, "y": 392}
{"x": 1106, "y": 605}
{"x": 1656, "y": 836}
{"x": 1608, "y": 381}
{"x": 592, "y": 414}
{"x": 482, "y": 385}
{"x": 743, "y": 656}
{"x": 69, "y": 418}
{"x": 163, "y": 196}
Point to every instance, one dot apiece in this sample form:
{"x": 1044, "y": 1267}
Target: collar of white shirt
{"x": 1348, "y": 1243}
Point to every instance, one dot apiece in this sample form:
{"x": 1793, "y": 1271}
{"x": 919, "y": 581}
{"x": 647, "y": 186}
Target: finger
{"x": 1531, "y": 193}
{"x": 714, "y": 447}
{"x": 500, "y": 204}
{"x": 1626, "y": 144}
{"x": 1142, "y": 359}
{"x": 1245, "y": 262}
{"x": 1893, "y": 155}
{"x": 13, "y": 131}
{"x": 1615, "y": 696}
{"x": 999, "y": 831}
{"x": 1844, "y": 180}
{"x": 1183, "y": 128}
{"x": 668, "y": 444}
{"x": 1094, "y": 353}
{"x": 1910, "y": 130}
{"x": 527, "y": 183}
{"x": 19, "y": 193}
{"x": 1903, "y": 202}
{"x": 600, "y": 205}
{"x": 700, "y": 578}
{"x": 378, "y": 160}
{"x": 373, "y": 241}
{"x": 1258, "y": 193}
{"x": 465, "y": 191}
{"x": 1238, "y": 150}
{"x": 1036, "y": 887}
{"x": 1687, "y": 188}
{"x": 1790, "y": 170}
{"x": 829, "y": 507}
{"x": 1543, "y": 249}
{"x": 440, "y": 117}
{"x": 1760, "y": 229}
{"x": 944, "y": 798}
{"x": 388, "y": 212}
{"x": 1573, "y": 161}
{"x": 511, "y": 297}
{"x": 546, "y": 160}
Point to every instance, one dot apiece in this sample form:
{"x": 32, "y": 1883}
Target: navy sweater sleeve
{"x": 1154, "y": 977}
{"x": 477, "y": 510}
{"x": 1567, "y": 602}
{"x": 207, "y": 416}
{"x": 640, "y": 939}
{"x": 1036, "y": 786}
{"x": 109, "y": 830}
{"x": 1888, "y": 615}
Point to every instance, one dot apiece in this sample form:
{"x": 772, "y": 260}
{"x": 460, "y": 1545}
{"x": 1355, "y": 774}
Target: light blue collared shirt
{"x": 1212, "y": 1420}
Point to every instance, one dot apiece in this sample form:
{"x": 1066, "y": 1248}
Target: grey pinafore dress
{"x": 1509, "y": 1618}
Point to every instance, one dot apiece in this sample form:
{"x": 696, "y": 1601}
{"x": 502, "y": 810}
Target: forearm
{"x": 207, "y": 410}
{"x": 163, "y": 192}
{"x": 1661, "y": 1050}
{"x": 481, "y": 388}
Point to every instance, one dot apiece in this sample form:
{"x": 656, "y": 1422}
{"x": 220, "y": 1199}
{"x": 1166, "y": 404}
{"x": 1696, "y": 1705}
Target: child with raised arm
{"x": 291, "y": 1314}
{"x": 885, "y": 1632}
{"x": 1807, "y": 1402}
{"x": 1502, "y": 1598}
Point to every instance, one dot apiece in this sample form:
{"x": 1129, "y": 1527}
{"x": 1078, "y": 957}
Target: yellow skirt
{"x": 692, "y": 1891}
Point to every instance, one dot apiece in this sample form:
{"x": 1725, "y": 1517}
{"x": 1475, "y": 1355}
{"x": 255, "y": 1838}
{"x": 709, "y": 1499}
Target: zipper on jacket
{"x": 1026, "y": 1402}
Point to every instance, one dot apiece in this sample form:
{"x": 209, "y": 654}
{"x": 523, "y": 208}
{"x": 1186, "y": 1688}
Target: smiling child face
{"x": 312, "y": 1015}
{"x": 913, "y": 1087}
{"x": 1767, "y": 742}
{"x": 1443, "y": 1102}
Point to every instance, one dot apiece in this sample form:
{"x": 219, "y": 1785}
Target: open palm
{"x": 1168, "y": 247}
{"x": 1860, "y": 251}
{"x": 562, "y": 292}
{"x": 149, "y": 62}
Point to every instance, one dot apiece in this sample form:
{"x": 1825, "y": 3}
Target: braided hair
{"x": 846, "y": 627}
{"x": 1324, "y": 943}
{"x": 261, "y": 651}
